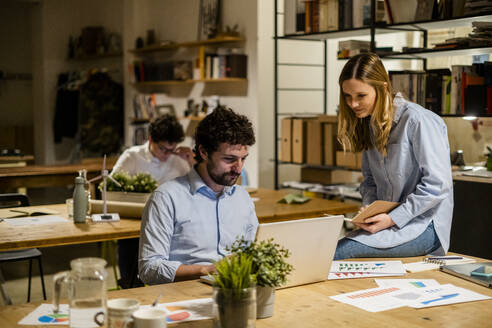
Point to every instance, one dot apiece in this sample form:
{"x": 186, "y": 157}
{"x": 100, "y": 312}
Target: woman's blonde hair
{"x": 353, "y": 133}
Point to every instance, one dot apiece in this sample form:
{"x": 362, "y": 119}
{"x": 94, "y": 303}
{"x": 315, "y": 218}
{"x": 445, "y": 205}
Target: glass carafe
{"x": 86, "y": 282}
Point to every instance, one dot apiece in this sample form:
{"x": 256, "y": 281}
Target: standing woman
{"x": 405, "y": 159}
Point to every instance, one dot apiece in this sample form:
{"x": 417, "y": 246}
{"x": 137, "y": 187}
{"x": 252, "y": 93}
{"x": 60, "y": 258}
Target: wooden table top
{"x": 30, "y": 170}
{"x": 47, "y": 235}
{"x": 310, "y": 306}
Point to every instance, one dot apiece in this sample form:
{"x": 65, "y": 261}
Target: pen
{"x": 445, "y": 258}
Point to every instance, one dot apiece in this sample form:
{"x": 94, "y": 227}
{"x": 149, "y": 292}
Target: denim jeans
{"x": 424, "y": 244}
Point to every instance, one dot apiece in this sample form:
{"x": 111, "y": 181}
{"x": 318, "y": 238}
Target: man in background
{"x": 188, "y": 222}
{"x": 164, "y": 161}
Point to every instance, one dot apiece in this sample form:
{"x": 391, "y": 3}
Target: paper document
{"x": 395, "y": 267}
{"x": 190, "y": 310}
{"x": 376, "y": 207}
{"x": 374, "y": 299}
{"x": 444, "y": 295}
{"x": 36, "y": 220}
{"x": 7, "y": 213}
{"x": 44, "y": 315}
{"x": 407, "y": 283}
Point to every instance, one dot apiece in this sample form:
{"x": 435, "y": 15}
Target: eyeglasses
{"x": 166, "y": 150}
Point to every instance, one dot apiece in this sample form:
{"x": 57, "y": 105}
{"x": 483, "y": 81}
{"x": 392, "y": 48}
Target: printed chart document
{"x": 407, "y": 283}
{"x": 376, "y": 207}
{"x": 365, "y": 269}
{"x": 394, "y": 293}
{"x": 44, "y": 315}
{"x": 190, "y": 310}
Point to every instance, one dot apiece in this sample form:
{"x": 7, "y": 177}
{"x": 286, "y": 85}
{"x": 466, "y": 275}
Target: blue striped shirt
{"x": 186, "y": 222}
{"x": 416, "y": 172}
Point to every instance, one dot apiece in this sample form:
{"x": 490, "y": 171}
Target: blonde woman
{"x": 405, "y": 159}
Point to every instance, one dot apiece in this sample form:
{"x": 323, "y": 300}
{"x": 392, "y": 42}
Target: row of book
{"x": 465, "y": 89}
{"x": 207, "y": 66}
{"x": 301, "y": 16}
{"x": 149, "y": 106}
{"x": 311, "y": 16}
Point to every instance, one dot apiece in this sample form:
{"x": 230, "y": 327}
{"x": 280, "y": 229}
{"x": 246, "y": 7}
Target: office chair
{"x": 17, "y": 200}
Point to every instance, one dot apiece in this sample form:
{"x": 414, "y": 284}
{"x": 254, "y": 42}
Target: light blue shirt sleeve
{"x": 431, "y": 150}
{"x": 155, "y": 239}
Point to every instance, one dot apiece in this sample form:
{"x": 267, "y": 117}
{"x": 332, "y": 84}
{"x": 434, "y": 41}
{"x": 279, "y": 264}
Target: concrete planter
{"x": 265, "y": 299}
{"x": 132, "y": 197}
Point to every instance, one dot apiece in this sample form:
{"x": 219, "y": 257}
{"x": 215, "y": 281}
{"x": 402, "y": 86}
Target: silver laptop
{"x": 311, "y": 242}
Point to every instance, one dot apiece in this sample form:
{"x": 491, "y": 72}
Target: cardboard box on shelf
{"x": 349, "y": 159}
{"x": 286, "y": 143}
{"x": 328, "y": 176}
{"x": 314, "y": 142}
{"x": 299, "y": 140}
{"x": 330, "y": 143}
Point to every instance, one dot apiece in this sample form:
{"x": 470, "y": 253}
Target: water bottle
{"x": 79, "y": 201}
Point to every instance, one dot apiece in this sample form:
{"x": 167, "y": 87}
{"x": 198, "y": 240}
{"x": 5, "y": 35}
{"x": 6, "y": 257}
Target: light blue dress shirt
{"x": 416, "y": 172}
{"x": 185, "y": 222}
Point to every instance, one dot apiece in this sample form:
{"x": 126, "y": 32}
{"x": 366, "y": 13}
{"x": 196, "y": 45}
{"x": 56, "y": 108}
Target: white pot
{"x": 265, "y": 299}
{"x": 133, "y": 197}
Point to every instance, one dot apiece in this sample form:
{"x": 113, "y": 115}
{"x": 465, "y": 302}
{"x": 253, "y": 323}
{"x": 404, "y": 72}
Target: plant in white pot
{"x": 270, "y": 268}
{"x": 235, "y": 292}
{"x": 134, "y": 188}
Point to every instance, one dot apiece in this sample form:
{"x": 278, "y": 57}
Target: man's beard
{"x": 224, "y": 179}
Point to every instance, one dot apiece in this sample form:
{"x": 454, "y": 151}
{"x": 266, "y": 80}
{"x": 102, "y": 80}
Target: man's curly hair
{"x": 223, "y": 125}
{"x": 166, "y": 128}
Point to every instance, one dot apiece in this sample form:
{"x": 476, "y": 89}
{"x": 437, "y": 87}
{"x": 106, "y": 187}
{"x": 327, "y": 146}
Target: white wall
{"x": 54, "y": 21}
{"x": 177, "y": 21}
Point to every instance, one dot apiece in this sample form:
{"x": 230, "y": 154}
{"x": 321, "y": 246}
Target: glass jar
{"x": 87, "y": 294}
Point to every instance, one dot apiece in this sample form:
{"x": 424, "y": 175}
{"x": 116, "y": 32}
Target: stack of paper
{"x": 366, "y": 269}
{"x": 418, "y": 294}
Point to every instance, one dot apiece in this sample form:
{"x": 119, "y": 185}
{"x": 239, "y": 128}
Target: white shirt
{"x": 139, "y": 159}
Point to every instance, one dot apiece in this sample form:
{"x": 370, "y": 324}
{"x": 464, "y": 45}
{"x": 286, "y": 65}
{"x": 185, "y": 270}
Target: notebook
{"x": 375, "y": 208}
{"x": 480, "y": 273}
{"x": 435, "y": 262}
{"x": 311, "y": 242}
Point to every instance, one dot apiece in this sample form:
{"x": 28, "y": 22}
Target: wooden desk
{"x": 269, "y": 210}
{"x": 310, "y": 306}
{"x": 18, "y": 237}
{"x": 36, "y": 176}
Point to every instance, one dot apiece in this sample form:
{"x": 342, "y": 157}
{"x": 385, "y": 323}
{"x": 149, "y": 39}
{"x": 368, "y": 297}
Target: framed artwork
{"x": 208, "y": 19}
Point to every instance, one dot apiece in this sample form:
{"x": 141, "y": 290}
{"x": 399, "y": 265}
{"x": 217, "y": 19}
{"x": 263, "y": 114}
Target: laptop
{"x": 311, "y": 242}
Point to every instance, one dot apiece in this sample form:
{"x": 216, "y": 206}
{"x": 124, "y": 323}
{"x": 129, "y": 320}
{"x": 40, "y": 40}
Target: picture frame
{"x": 208, "y": 19}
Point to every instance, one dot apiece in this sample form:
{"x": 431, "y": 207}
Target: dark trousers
{"x": 128, "y": 263}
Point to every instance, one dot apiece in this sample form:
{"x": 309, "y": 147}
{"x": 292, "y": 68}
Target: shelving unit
{"x": 191, "y": 44}
{"x": 371, "y": 30}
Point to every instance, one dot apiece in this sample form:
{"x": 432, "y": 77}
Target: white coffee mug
{"x": 149, "y": 318}
{"x": 120, "y": 311}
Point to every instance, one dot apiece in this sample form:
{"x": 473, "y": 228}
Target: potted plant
{"x": 133, "y": 188}
{"x": 270, "y": 268}
{"x": 235, "y": 292}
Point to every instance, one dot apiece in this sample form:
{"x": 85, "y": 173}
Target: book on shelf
{"x": 433, "y": 90}
{"x": 403, "y": 11}
{"x": 289, "y": 17}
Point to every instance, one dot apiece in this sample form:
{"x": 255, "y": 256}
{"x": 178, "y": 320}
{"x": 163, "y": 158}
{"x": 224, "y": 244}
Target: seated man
{"x": 159, "y": 157}
{"x": 188, "y": 222}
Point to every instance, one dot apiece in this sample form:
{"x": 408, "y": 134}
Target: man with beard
{"x": 189, "y": 222}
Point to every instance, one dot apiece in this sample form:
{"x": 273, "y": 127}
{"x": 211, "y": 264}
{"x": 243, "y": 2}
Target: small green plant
{"x": 234, "y": 274}
{"x": 268, "y": 260}
{"x": 142, "y": 182}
